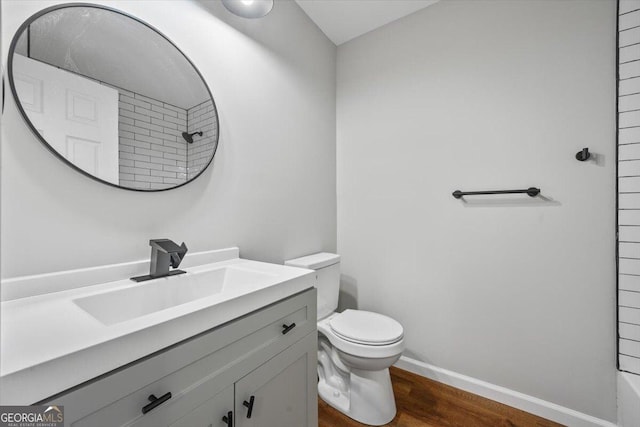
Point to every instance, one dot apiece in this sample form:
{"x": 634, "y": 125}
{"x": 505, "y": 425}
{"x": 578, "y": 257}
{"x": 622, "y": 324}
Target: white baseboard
{"x": 515, "y": 399}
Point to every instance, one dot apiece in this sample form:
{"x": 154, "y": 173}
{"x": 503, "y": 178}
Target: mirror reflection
{"x": 113, "y": 97}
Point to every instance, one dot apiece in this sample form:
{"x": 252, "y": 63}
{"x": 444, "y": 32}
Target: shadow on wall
{"x": 598, "y": 159}
{"x": 509, "y": 201}
{"x": 348, "y": 293}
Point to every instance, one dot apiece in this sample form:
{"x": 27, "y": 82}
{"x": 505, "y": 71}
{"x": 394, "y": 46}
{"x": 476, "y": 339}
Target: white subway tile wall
{"x": 153, "y": 153}
{"x": 629, "y": 185}
{"x": 201, "y": 118}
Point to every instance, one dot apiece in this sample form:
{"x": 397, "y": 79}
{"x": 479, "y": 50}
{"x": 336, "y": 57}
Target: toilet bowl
{"x": 353, "y": 372}
{"x": 355, "y": 349}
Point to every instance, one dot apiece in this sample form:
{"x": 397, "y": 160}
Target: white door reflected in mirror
{"x": 78, "y": 116}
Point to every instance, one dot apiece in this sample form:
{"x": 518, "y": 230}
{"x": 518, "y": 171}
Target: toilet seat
{"x": 355, "y": 348}
{"x": 366, "y": 328}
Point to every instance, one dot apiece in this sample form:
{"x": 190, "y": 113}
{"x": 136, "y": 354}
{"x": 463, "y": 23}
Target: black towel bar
{"x": 531, "y": 191}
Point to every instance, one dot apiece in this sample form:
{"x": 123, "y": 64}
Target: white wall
{"x": 270, "y": 190}
{"x": 476, "y": 95}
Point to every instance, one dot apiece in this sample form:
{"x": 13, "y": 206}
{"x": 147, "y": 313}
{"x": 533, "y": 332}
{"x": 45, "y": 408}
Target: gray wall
{"x": 476, "y": 95}
{"x": 273, "y": 81}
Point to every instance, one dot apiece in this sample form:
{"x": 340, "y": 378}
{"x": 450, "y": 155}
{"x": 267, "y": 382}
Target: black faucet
{"x": 165, "y": 253}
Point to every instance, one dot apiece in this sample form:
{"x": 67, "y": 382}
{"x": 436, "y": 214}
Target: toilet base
{"x": 368, "y": 398}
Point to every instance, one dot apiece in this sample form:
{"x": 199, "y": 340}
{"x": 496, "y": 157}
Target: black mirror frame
{"x": 14, "y": 92}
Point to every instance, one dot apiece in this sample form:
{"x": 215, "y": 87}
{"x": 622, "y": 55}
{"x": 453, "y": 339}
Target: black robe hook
{"x": 583, "y": 155}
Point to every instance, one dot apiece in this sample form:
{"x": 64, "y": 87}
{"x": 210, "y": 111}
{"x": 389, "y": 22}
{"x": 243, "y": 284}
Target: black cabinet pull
{"x": 249, "y": 405}
{"x": 288, "y": 328}
{"x": 155, "y": 402}
{"x": 228, "y": 419}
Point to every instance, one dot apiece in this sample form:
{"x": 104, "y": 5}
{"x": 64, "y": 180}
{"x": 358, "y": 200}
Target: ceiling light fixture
{"x": 249, "y": 8}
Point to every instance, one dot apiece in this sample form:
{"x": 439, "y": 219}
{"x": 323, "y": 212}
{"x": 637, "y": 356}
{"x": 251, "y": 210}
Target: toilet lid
{"x": 365, "y": 327}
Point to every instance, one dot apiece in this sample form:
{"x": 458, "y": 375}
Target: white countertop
{"x": 50, "y": 344}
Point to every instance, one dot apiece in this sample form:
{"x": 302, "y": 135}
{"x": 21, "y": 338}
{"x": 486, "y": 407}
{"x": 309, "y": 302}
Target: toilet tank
{"x": 327, "y": 267}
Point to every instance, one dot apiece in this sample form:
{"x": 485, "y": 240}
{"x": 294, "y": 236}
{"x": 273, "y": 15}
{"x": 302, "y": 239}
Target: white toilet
{"x": 355, "y": 349}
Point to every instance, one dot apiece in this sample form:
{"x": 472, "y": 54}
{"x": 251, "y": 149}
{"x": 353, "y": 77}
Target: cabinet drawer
{"x": 193, "y": 371}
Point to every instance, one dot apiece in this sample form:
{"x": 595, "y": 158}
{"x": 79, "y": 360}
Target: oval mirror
{"x": 112, "y": 97}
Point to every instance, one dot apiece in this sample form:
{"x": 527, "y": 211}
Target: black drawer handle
{"x": 156, "y": 401}
{"x": 228, "y": 419}
{"x": 288, "y": 328}
{"x": 249, "y": 405}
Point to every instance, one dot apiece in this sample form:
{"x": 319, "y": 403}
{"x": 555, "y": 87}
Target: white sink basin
{"x": 160, "y": 294}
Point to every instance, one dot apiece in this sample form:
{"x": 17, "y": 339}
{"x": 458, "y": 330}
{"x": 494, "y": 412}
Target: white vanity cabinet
{"x": 211, "y": 375}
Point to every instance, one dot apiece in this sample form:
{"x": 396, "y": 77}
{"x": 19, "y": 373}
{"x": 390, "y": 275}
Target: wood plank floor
{"x": 422, "y": 402}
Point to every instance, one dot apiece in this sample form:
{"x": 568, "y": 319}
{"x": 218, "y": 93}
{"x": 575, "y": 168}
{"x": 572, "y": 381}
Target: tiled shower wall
{"x": 201, "y": 118}
{"x": 153, "y": 153}
{"x": 629, "y": 185}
